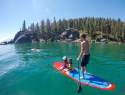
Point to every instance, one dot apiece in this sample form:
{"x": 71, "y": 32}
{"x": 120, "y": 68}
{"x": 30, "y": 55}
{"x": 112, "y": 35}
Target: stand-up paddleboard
{"x": 89, "y": 80}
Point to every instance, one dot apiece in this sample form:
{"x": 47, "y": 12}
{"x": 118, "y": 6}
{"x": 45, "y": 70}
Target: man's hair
{"x": 83, "y": 35}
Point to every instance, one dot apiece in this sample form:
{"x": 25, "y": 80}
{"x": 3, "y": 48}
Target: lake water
{"x": 25, "y": 71}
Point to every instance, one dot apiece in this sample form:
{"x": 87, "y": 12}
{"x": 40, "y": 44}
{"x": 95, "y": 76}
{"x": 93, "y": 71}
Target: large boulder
{"x": 26, "y": 37}
{"x": 70, "y": 34}
{"x": 18, "y": 34}
{"x": 23, "y": 39}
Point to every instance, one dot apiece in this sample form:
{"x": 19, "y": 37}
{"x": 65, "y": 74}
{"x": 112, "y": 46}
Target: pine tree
{"x": 54, "y": 25}
{"x": 48, "y": 26}
{"x": 42, "y": 26}
{"x": 24, "y": 26}
{"x": 32, "y": 27}
{"x": 37, "y": 28}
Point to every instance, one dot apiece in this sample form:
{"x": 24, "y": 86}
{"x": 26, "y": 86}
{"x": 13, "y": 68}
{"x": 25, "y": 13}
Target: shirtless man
{"x": 84, "y": 54}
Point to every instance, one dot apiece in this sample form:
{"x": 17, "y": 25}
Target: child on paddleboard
{"x": 65, "y": 62}
{"x": 70, "y": 67}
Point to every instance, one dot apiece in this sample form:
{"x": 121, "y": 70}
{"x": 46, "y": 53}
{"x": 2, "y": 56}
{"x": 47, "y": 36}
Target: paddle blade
{"x": 79, "y": 89}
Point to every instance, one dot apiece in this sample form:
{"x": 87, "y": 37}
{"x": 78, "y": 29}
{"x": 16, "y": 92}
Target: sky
{"x": 14, "y": 12}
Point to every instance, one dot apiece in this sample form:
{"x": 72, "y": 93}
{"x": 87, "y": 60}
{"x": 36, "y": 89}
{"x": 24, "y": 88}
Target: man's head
{"x": 83, "y": 36}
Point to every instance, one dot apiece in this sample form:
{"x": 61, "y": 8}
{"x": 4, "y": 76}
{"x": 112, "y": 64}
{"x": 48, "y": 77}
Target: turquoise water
{"x": 27, "y": 72}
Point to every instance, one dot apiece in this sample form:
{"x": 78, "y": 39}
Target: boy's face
{"x": 65, "y": 60}
{"x": 70, "y": 60}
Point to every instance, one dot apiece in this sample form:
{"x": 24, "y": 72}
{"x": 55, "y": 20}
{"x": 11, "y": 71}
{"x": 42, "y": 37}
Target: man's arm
{"x": 81, "y": 52}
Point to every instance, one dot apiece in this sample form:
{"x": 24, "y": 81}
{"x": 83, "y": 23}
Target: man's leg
{"x": 84, "y": 69}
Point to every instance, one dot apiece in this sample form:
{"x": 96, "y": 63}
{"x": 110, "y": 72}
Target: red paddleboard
{"x": 89, "y": 80}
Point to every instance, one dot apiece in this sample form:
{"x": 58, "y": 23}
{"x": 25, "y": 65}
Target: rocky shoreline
{"x": 69, "y": 35}
{"x": 64, "y": 41}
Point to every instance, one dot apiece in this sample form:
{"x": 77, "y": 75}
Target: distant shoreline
{"x": 66, "y": 41}
{"x": 99, "y": 30}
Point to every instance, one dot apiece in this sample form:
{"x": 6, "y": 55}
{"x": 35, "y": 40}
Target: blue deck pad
{"x": 89, "y": 79}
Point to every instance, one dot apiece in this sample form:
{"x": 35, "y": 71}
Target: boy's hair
{"x": 83, "y": 35}
{"x": 64, "y": 58}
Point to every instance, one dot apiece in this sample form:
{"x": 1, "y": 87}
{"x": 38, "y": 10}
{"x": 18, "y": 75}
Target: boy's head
{"x": 83, "y": 36}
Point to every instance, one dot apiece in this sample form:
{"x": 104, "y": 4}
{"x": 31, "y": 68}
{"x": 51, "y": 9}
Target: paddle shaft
{"x": 79, "y": 83}
{"x": 79, "y": 72}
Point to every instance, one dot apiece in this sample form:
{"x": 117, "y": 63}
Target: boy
{"x": 70, "y": 64}
{"x": 65, "y": 62}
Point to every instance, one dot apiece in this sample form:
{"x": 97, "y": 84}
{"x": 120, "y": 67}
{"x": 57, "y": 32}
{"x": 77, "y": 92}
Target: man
{"x": 84, "y": 54}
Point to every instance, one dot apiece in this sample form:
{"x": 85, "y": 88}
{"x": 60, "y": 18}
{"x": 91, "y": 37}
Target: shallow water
{"x": 25, "y": 71}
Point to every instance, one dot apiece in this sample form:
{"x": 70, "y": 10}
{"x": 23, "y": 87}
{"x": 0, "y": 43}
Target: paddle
{"x": 79, "y": 89}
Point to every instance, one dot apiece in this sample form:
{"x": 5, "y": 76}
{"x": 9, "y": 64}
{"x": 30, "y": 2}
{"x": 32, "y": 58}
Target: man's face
{"x": 81, "y": 39}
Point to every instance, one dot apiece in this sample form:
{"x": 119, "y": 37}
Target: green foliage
{"x": 110, "y": 28}
{"x": 24, "y": 26}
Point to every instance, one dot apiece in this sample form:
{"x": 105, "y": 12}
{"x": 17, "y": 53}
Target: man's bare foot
{"x": 81, "y": 77}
